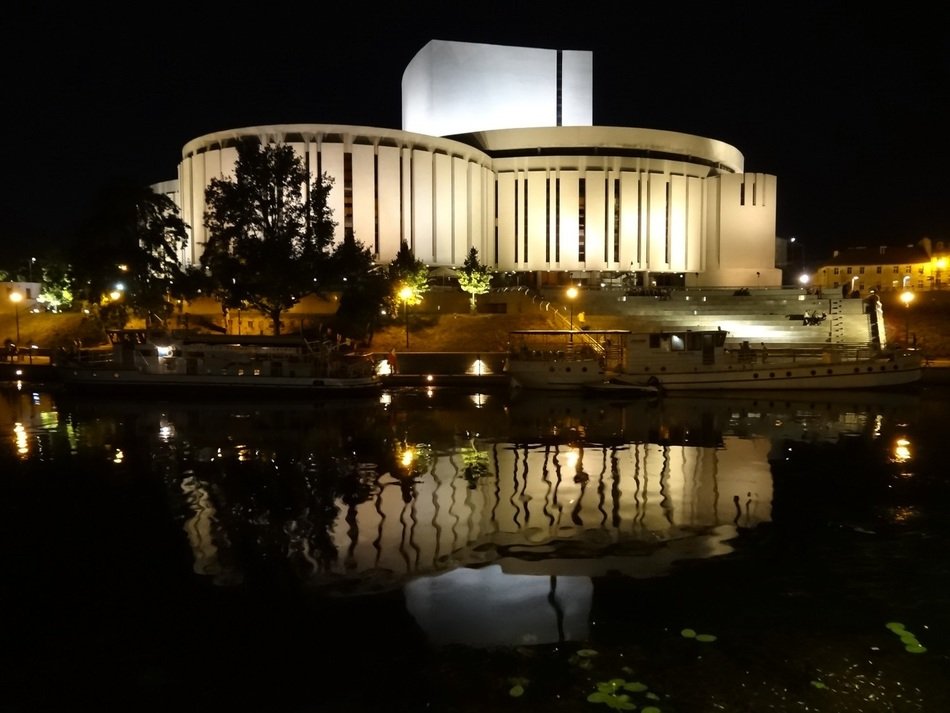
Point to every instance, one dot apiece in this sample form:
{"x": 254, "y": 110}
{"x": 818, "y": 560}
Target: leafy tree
{"x": 193, "y": 282}
{"x": 132, "y": 244}
{"x": 408, "y": 277}
{"x": 474, "y": 277}
{"x": 363, "y": 288}
{"x": 56, "y": 293}
{"x": 269, "y": 230}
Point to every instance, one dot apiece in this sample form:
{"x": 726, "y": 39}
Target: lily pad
{"x": 516, "y": 691}
{"x": 688, "y": 633}
{"x": 915, "y": 649}
{"x": 706, "y": 638}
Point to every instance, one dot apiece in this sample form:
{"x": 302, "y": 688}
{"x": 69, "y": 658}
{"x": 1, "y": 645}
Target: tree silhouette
{"x": 363, "y": 288}
{"x": 269, "y": 230}
{"x": 130, "y": 248}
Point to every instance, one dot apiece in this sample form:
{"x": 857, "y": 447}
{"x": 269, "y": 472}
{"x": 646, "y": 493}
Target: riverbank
{"x": 443, "y": 323}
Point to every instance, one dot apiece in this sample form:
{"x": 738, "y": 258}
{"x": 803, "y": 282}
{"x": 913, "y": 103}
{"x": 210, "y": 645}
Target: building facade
{"x": 912, "y": 267}
{"x": 556, "y": 197}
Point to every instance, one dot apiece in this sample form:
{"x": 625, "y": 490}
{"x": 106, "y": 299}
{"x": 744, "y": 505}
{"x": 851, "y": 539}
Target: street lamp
{"x": 907, "y": 297}
{"x": 405, "y": 294}
{"x": 571, "y": 295}
{"x": 15, "y": 298}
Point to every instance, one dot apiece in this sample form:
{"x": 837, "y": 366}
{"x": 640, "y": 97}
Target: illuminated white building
{"x": 498, "y": 152}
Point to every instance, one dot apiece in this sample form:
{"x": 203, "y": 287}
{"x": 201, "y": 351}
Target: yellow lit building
{"x": 916, "y": 267}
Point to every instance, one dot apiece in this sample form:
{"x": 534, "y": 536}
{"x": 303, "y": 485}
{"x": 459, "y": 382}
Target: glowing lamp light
{"x": 907, "y": 297}
{"x": 571, "y": 294}
{"x": 902, "y": 450}
{"x": 478, "y": 368}
{"x": 16, "y": 298}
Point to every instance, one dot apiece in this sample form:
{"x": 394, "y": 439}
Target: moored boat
{"x": 698, "y": 359}
{"x": 562, "y": 359}
{"x": 146, "y": 358}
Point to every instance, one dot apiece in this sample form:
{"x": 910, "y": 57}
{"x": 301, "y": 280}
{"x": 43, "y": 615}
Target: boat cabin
{"x": 665, "y": 348}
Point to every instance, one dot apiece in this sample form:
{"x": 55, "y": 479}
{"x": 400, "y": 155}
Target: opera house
{"x": 498, "y": 151}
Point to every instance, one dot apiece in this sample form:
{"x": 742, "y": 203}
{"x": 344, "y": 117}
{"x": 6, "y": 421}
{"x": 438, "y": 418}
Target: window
{"x": 837, "y": 270}
{"x": 895, "y": 269}
{"x": 861, "y": 270}
{"x": 849, "y": 269}
{"x": 879, "y": 269}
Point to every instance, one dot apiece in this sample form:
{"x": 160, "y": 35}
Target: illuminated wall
{"x": 457, "y": 87}
{"x": 545, "y": 199}
{"x": 389, "y": 186}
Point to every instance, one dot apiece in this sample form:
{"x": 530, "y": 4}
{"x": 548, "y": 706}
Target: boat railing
{"x": 566, "y": 353}
{"x": 822, "y": 353}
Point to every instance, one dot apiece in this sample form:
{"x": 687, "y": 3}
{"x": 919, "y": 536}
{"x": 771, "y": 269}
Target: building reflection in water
{"x": 493, "y": 515}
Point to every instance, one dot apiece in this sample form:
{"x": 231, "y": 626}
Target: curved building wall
{"x": 388, "y": 186}
{"x": 543, "y": 200}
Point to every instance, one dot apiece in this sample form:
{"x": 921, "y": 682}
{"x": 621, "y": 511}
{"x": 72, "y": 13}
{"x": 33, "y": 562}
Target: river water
{"x": 439, "y": 550}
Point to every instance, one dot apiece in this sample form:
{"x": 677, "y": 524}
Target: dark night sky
{"x": 849, "y": 111}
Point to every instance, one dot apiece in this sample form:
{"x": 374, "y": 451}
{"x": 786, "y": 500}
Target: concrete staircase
{"x": 778, "y": 317}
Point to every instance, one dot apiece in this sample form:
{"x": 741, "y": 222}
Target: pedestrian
{"x": 391, "y": 358}
{"x": 765, "y": 353}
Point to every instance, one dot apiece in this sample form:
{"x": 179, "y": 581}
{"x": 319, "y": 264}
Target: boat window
{"x": 677, "y": 343}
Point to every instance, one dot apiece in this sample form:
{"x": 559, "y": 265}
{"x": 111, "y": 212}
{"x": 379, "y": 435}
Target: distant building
{"x": 917, "y": 267}
{"x": 498, "y": 152}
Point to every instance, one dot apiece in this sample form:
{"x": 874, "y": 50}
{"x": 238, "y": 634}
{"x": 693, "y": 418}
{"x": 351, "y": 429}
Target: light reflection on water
{"x": 497, "y": 519}
{"x": 369, "y": 495}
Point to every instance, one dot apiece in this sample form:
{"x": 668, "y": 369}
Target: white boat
{"x": 563, "y": 359}
{"x": 698, "y": 360}
{"x": 146, "y": 358}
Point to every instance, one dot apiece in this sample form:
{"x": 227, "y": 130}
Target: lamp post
{"x": 571, "y": 295}
{"x": 15, "y": 298}
{"x": 907, "y": 297}
{"x": 405, "y": 294}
